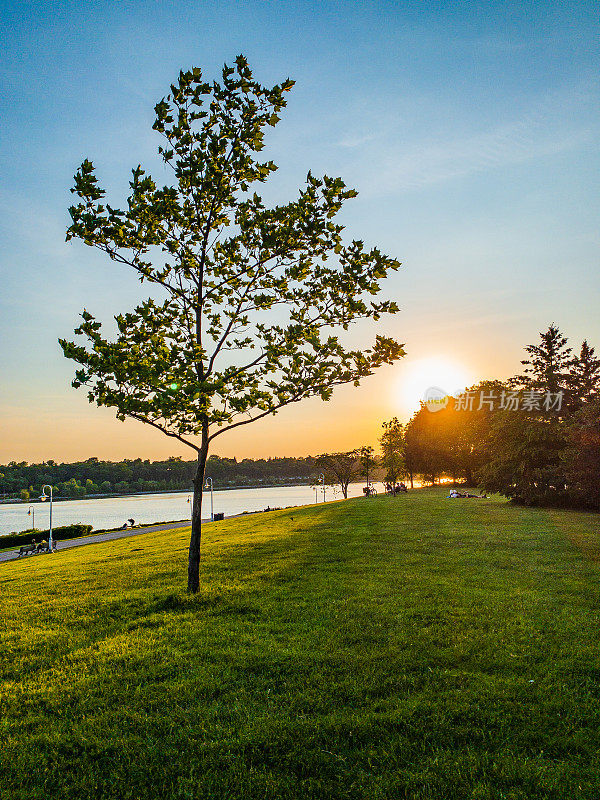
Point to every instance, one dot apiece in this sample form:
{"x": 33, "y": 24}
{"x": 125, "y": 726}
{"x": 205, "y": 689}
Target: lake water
{"x": 112, "y": 512}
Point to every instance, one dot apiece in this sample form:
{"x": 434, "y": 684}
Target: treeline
{"x": 94, "y": 477}
{"x": 534, "y": 438}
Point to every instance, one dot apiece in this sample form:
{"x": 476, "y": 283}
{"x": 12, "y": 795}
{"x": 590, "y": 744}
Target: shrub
{"x": 64, "y": 532}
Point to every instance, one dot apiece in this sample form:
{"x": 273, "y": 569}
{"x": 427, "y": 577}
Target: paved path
{"x": 11, "y": 555}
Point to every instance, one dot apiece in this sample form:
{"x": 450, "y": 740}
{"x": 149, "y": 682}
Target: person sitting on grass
{"x": 455, "y": 494}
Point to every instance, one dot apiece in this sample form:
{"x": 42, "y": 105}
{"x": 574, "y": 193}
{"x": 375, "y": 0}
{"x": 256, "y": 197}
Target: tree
{"x": 585, "y": 375}
{"x": 526, "y": 447}
{"x": 341, "y": 468}
{"x": 467, "y": 430}
{"x": 251, "y": 300}
{"x": 392, "y": 450}
{"x": 582, "y": 456}
{"x": 24, "y": 494}
{"x": 549, "y": 364}
{"x": 411, "y": 452}
{"x": 426, "y": 450}
{"x": 367, "y": 460}
{"x": 526, "y": 459}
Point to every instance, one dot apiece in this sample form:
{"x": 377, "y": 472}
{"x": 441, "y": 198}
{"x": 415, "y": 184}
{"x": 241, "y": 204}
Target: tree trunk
{"x": 194, "y": 552}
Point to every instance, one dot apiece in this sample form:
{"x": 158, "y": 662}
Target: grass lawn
{"x": 409, "y": 647}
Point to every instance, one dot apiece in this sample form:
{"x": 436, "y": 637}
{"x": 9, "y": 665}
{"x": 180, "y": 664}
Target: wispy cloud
{"x": 439, "y": 162}
{"x": 558, "y": 122}
{"x": 355, "y": 140}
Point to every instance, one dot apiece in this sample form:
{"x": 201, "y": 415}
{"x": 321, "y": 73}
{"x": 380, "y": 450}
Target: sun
{"x": 416, "y": 377}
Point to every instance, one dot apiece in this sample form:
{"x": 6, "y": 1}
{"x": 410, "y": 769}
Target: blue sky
{"x": 469, "y": 129}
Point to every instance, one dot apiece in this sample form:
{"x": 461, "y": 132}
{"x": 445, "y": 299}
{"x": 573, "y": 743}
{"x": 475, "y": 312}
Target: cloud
{"x": 557, "y": 123}
{"x": 356, "y": 140}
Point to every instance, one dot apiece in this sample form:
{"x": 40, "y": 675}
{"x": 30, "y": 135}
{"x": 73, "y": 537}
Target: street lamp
{"x": 30, "y": 512}
{"x": 43, "y": 497}
{"x": 206, "y": 485}
{"x": 323, "y": 484}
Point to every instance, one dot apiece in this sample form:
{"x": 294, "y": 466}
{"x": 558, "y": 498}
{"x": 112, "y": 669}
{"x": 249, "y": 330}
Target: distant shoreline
{"x": 57, "y": 499}
{"x": 113, "y": 495}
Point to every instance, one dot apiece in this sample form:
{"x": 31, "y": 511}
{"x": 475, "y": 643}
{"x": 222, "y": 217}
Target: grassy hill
{"x": 379, "y": 648}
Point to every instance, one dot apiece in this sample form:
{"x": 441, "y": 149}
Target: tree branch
{"x": 164, "y": 430}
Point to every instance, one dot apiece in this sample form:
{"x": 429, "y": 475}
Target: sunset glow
{"x": 460, "y": 186}
{"x": 418, "y": 376}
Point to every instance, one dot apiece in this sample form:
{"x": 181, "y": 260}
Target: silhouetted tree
{"x": 549, "y": 365}
{"x": 342, "y": 468}
{"x": 582, "y": 456}
{"x": 585, "y": 376}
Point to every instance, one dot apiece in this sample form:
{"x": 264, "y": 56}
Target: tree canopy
{"x": 392, "y": 450}
{"x": 341, "y": 468}
{"x": 240, "y": 279}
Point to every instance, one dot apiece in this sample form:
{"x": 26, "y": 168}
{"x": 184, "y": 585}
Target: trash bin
{"x": 218, "y": 517}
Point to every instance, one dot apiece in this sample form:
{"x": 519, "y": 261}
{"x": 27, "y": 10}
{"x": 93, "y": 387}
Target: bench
{"x": 26, "y": 549}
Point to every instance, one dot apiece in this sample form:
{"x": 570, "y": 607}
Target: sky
{"x": 469, "y": 129}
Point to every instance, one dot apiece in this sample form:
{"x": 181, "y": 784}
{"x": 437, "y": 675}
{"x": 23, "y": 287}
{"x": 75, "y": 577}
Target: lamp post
{"x": 206, "y": 485}
{"x": 191, "y": 507}
{"x": 45, "y": 497}
{"x": 31, "y": 512}
{"x": 322, "y": 476}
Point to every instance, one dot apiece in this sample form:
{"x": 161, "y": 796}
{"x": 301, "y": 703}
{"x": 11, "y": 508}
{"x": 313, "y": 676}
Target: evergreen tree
{"x": 585, "y": 375}
{"x": 549, "y": 364}
{"x": 582, "y": 455}
{"x": 525, "y": 461}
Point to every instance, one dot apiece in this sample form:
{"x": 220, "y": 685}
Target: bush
{"x": 65, "y": 532}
